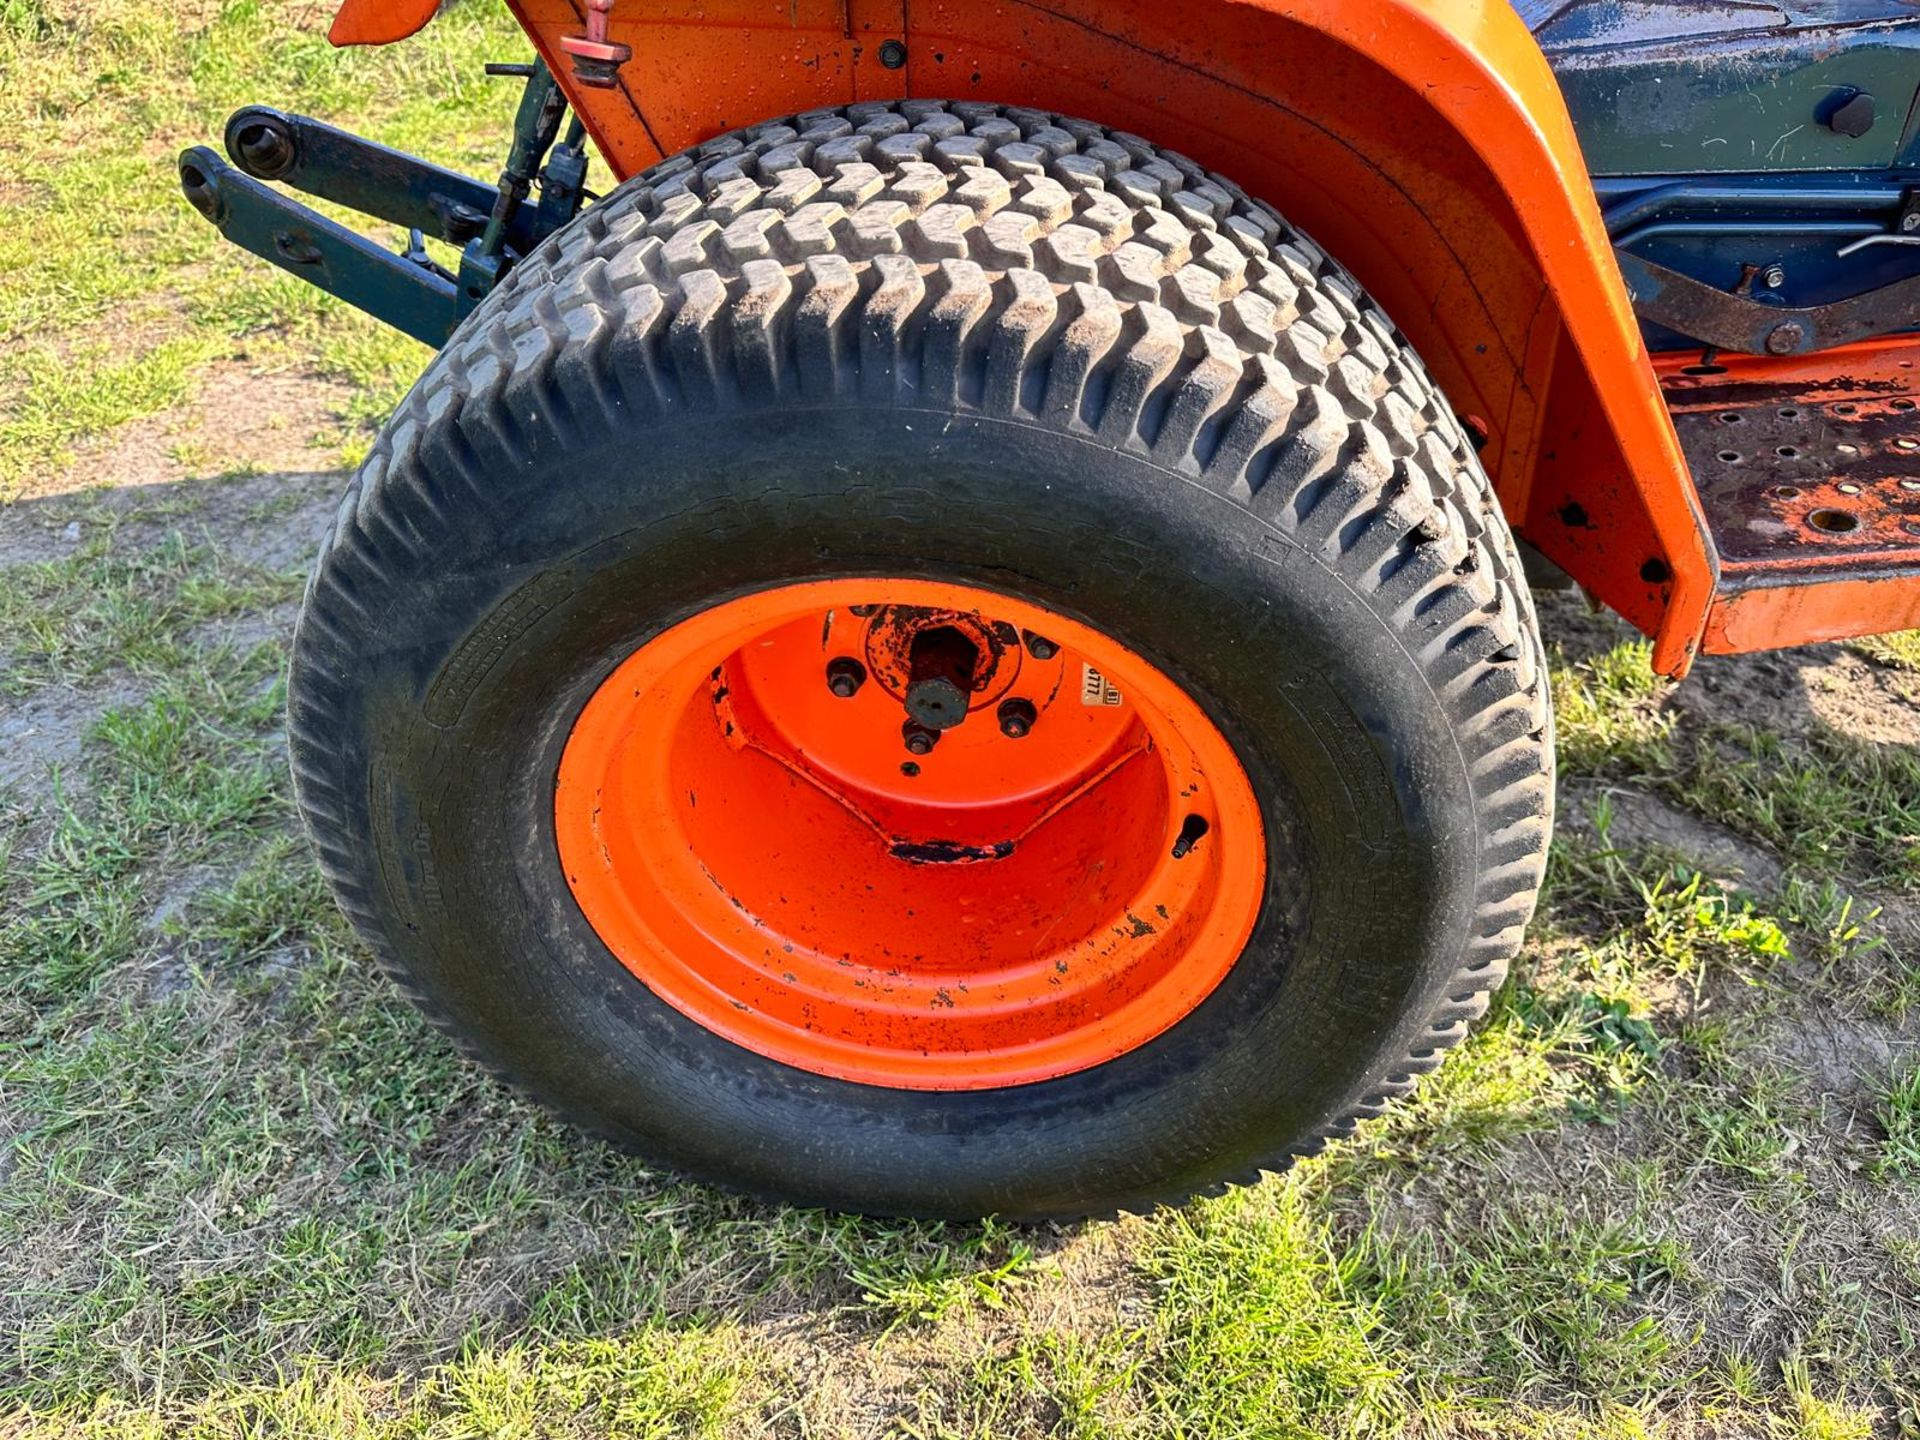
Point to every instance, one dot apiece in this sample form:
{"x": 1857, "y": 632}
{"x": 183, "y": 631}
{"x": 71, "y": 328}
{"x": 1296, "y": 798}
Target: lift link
{"x": 334, "y": 165}
{"x": 326, "y": 255}
{"x": 486, "y": 260}
{"x": 493, "y": 223}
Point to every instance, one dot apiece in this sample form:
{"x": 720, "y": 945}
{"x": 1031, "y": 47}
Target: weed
{"x": 1899, "y": 1116}
{"x": 1900, "y": 651}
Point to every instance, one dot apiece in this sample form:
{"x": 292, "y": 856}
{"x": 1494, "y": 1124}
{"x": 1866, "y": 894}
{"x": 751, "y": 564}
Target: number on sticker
{"x": 1096, "y": 689}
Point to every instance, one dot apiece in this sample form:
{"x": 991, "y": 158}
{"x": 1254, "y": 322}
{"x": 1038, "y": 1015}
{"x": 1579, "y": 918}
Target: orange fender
{"x": 1423, "y": 142}
{"x": 376, "y": 22}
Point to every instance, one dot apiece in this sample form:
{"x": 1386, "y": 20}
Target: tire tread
{"x": 1022, "y": 265}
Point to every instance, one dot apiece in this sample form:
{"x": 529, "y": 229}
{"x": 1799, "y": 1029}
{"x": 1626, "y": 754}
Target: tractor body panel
{"x": 1733, "y": 85}
{"x": 380, "y": 22}
{"x": 1478, "y": 166}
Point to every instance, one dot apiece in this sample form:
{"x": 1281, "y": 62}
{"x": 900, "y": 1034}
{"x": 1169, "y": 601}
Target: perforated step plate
{"x": 1809, "y": 468}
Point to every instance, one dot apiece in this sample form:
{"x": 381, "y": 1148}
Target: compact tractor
{"x": 952, "y": 634}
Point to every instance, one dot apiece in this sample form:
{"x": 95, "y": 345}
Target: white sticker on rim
{"x": 1096, "y": 689}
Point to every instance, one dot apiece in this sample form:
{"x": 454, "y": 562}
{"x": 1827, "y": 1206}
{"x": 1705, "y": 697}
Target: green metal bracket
{"x": 486, "y": 259}
{"x": 415, "y": 298}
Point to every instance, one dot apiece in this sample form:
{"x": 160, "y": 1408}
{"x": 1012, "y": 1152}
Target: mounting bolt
{"x": 1910, "y": 222}
{"x": 919, "y": 740}
{"x": 1786, "y": 338}
{"x": 1774, "y": 276}
{"x": 1017, "y": 717}
{"x": 845, "y": 676}
{"x": 1039, "y": 646}
{"x": 893, "y": 54}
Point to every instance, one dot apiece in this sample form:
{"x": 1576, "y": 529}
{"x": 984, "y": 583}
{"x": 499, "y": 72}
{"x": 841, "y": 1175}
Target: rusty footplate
{"x": 1806, "y": 466}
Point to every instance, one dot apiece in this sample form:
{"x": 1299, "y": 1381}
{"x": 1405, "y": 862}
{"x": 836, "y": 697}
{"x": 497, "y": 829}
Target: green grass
{"x": 100, "y": 608}
{"x": 1607, "y": 715}
{"x": 1899, "y": 1116}
{"x": 249, "y": 1192}
{"x": 1899, "y": 651}
{"x": 1829, "y": 804}
{"x": 95, "y": 239}
{"x": 1670, "y": 1186}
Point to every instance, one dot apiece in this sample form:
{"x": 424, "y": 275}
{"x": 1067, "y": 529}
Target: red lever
{"x": 596, "y": 59}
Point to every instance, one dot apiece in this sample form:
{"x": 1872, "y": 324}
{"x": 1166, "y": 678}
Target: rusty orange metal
{"x": 1423, "y": 142}
{"x": 1808, "y": 470}
{"x": 380, "y": 22}
{"x": 1004, "y": 905}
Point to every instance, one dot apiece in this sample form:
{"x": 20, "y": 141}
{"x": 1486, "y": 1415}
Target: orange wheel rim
{"x": 750, "y": 815}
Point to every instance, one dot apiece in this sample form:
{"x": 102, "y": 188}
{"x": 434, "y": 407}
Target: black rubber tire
{"x": 950, "y": 341}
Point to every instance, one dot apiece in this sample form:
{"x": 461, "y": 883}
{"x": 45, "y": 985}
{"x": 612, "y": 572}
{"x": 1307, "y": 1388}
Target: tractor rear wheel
{"x": 932, "y": 659}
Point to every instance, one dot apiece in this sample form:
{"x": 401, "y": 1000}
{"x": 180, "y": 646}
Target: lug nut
{"x": 1039, "y": 646}
{"x": 845, "y": 676}
{"x": 919, "y": 740}
{"x": 1017, "y": 717}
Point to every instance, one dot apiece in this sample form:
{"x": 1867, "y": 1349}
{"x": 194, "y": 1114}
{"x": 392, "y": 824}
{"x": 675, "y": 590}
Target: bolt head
{"x": 1773, "y": 277}
{"x": 917, "y": 740}
{"x": 893, "y": 54}
{"x": 1910, "y": 221}
{"x": 1039, "y": 646}
{"x": 1786, "y": 338}
{"x": 1016, "y": 718}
